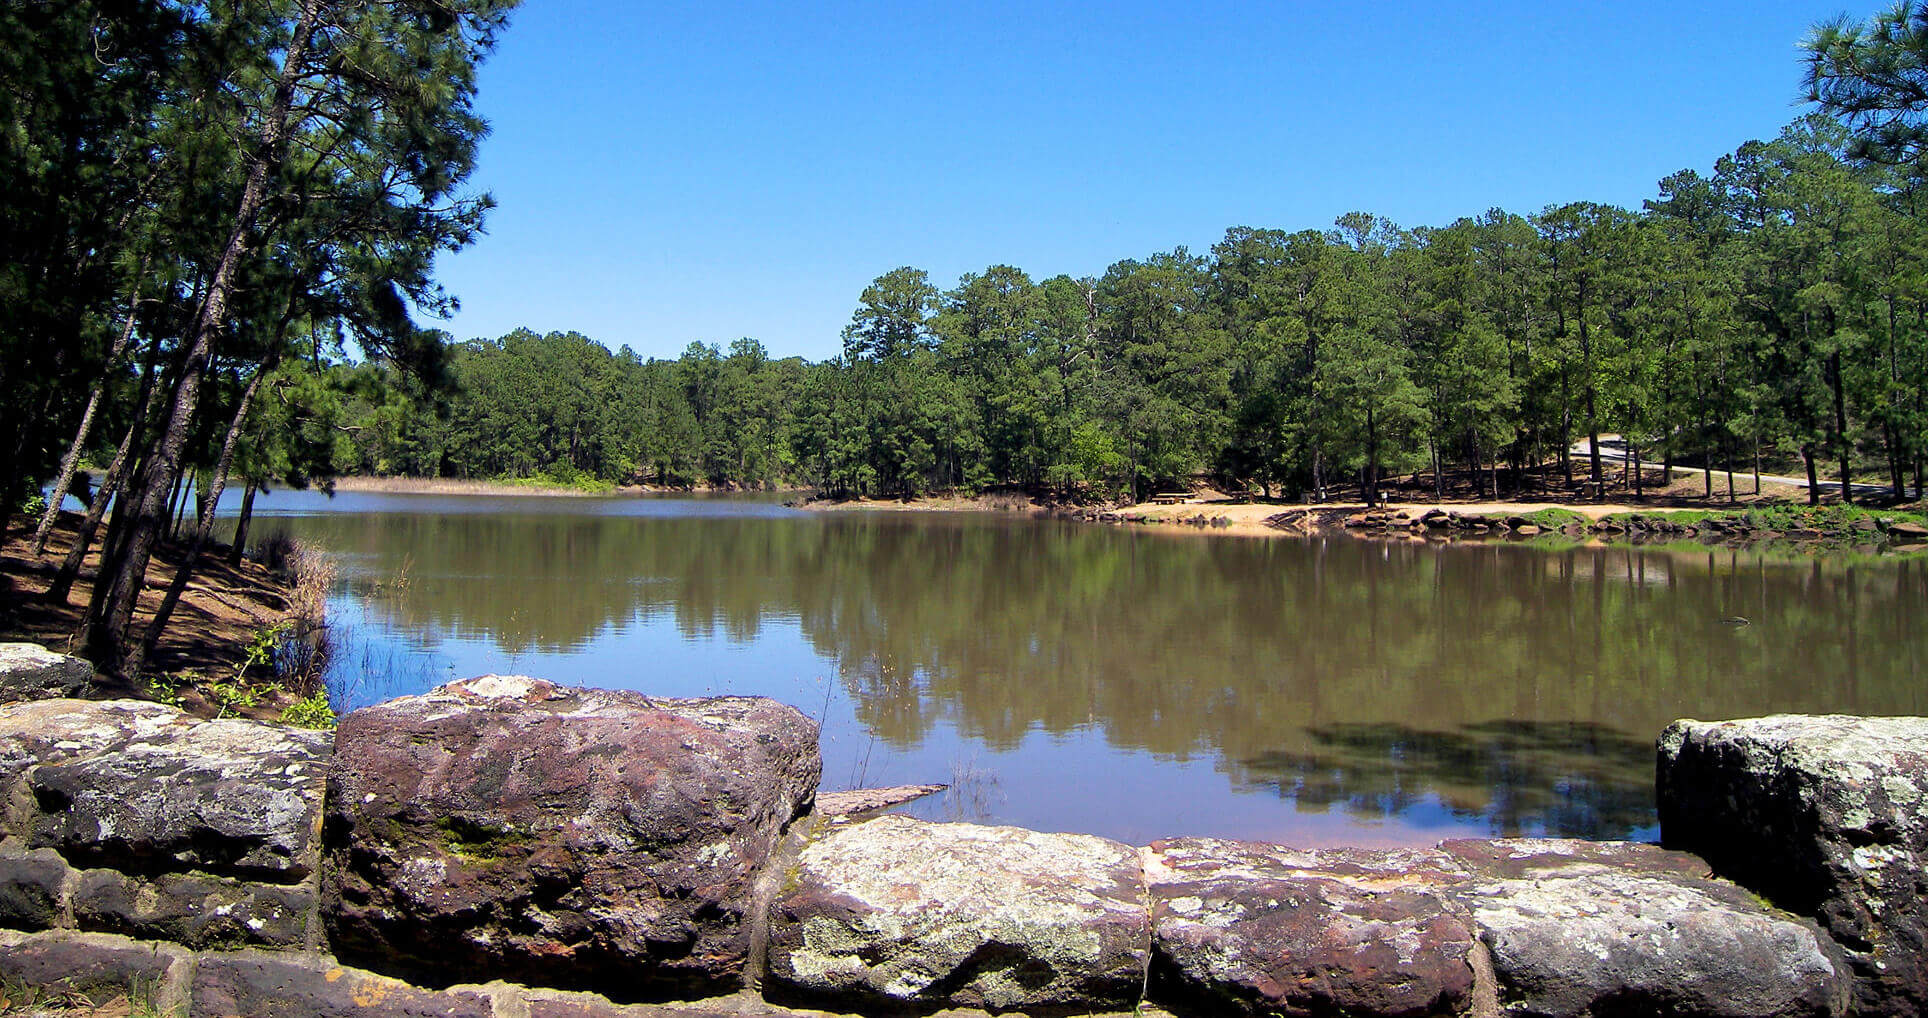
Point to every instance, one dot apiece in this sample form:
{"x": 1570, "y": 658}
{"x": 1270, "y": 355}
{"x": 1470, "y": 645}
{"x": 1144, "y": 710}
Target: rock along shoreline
{"x": 505, "y": 846}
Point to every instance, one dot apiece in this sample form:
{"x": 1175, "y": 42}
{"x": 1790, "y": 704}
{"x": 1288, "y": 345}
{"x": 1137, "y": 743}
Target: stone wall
{"x": 505, "y": 846}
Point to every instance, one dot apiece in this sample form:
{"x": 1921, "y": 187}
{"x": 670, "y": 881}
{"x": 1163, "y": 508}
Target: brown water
{"x": 1130, "y": 683}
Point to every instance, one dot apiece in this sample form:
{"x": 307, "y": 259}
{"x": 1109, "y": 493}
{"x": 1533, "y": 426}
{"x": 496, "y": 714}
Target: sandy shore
{"x": 1215, "y": 514}
{"x": 1248, "y": 518}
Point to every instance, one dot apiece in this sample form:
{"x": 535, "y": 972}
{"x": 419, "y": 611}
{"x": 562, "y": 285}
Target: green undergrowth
{"x": 311, "y": 711}
{"x": 1546, "y": 519}
{"x": 573, "y": 480}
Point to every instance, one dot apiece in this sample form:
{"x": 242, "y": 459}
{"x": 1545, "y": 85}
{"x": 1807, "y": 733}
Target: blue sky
{"x": 672, "y": 172}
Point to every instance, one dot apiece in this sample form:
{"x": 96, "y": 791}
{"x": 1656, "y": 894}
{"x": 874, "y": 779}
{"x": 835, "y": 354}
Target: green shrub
{"x": 310, "y": 712}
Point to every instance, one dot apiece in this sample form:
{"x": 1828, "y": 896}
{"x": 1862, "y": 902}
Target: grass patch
{"x": 1551, "y": 518}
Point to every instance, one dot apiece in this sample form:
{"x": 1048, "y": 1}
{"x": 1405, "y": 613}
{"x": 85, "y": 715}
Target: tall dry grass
{"x": 301, "y": 660}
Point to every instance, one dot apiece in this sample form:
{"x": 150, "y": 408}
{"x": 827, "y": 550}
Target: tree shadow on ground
{"x": 1518, "y": 778}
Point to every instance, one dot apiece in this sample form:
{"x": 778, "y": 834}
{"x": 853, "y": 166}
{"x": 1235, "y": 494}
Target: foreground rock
{"x": 29, "y": 671}
{"x": 1590, "y": 928}
{"x": 1823, "y": 815}
{"x": 236, "y": 798}
{"x": 1267, "y": 930}
{"x": 250, "y": 984}
{"x": 896, "y": 914}
{"x": 135, "y": 818}
{"x": 507, "y": 827}
{"x": 99, "y": 968}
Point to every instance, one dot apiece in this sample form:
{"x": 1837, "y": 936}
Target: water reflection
{"x": 1517, "y": 778}
{"x": 1125, "y": 681}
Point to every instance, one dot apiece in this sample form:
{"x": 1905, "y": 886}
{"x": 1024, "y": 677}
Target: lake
{"x": 1131, "y": 682}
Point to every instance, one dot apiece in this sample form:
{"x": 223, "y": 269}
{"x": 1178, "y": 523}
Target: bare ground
{"x": 206, "y": 641}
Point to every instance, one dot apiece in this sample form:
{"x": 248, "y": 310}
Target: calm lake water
{"x": 1130, "y": 683}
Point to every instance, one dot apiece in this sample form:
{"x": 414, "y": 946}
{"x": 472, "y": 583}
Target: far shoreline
{"x": 400, "y": 485}
{"x": 1216, "y": 514}
{"x": 1219, "y": 514}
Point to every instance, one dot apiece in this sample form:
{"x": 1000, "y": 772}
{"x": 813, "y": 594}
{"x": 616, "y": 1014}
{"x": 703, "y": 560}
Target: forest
{"x": 1774, "y": 307}
{"x": 219, "y": 225}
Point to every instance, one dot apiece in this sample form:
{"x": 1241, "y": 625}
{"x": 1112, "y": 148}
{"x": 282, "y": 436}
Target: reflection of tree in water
{"x": 1563, "y": 779}
{"x": 1328, "y": 669}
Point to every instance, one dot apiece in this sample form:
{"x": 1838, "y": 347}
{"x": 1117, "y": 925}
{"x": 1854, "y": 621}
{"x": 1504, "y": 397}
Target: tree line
{"x": 1774, "y": 308}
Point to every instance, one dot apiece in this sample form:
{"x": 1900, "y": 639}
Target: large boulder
{"x": 29, "y": 671}
{"x": 1823, "y": 815}
{"x": 1243, "y": 928}
{"x": 507, "y": 827}
{"x": 1579, "y": 929}
{"x": 899, "y": 914}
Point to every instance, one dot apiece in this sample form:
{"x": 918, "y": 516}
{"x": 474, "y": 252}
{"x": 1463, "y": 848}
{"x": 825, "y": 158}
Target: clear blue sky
{"x": 678, "y": 172}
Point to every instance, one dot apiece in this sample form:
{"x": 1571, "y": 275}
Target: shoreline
{"x": 399, "y": 485}
{"x": 1574, "y": 522}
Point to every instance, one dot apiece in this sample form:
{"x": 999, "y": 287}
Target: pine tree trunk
{"x": 132, "y": 661}
{"x": 106, "y": 638}
{"x": 240, "y": 546}
{"x": 1896, "y": 482}
{"x": 109, "y": 487}
{"x": 1841, "y": 427}
{"x": 71, "y": 461}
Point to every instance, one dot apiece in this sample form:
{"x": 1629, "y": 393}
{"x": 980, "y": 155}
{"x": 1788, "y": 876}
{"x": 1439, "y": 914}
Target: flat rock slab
{"x": 858, "y": 801}
{"x": 146, "y": 788}
{"x": 1584, "y": 928}
{"x": 229, "y": 797}
{"x": 98, "y": 966}
{"x": 194, "y": 909}
{"x": 507, "y": 827}
{"x": 43, "y": 732}
{"x": 29, "y": 671}
{"x": 1824, "y": 816}
{"x": 1258, "y": 929}
{"x": 895, "y": 914}
{"x": 549, "y": 1004}
{"x": 250, "y": 985}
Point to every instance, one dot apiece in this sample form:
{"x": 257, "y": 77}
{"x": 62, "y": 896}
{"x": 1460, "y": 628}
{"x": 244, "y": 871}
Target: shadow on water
{"x": 1517, "y": 778}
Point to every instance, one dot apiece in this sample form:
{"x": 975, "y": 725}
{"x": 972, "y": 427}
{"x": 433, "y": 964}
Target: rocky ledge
{"x": 509, "y": 846}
